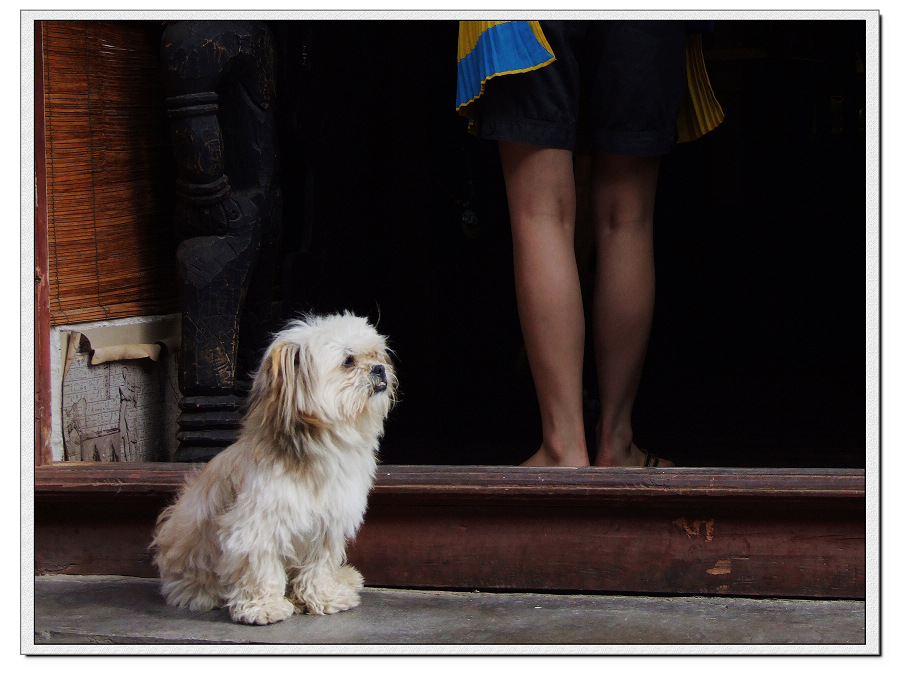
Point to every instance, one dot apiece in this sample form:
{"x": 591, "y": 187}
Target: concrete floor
{"x": 116, "y": 611}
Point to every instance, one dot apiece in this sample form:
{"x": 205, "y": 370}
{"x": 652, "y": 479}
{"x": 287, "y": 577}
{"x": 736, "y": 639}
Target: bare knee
{"x": 623, "y": 195}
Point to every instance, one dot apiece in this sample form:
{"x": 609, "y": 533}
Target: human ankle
{"x": 564, "y": 455}
{"x": 613, "y": 448}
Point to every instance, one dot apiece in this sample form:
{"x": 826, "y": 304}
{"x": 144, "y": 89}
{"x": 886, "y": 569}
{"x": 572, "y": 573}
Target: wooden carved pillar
{"x": 219, "y": 81}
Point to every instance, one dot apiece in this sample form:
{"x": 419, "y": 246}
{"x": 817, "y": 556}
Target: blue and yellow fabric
{"x": 488, "y": 49}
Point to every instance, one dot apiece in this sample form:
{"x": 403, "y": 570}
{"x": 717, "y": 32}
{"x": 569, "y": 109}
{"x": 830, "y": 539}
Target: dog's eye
{"x": 350, "y": 361}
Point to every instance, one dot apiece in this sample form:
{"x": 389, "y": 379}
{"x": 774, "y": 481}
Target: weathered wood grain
{"x": 797, "y": 533}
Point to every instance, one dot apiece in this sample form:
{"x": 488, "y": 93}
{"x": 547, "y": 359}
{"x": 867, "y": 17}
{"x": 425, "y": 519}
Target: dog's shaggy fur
{"x": 262, "y": 529}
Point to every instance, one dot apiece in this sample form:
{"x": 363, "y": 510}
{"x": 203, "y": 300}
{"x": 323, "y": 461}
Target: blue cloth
{"x": 498, "y": 49}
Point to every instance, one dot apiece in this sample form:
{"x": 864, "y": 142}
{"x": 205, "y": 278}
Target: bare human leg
{"x": 540, "y": 187}
{"x": 622, "y": 202}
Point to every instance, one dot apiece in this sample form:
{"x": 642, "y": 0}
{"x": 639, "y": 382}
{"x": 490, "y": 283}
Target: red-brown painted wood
{"x": 42, "y": 452}
{"x": 797, "y": 533}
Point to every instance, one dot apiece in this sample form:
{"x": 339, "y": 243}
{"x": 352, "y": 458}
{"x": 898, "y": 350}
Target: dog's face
{"x": 326, "y": 372}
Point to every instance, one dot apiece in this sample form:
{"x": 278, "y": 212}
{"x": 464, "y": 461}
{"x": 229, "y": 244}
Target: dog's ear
{"x": 282, "y": 388}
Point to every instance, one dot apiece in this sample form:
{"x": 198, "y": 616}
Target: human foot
{"x": 633, "y": 456}
{"x": 545, "y": 458}
{"x": 651, "y": 460}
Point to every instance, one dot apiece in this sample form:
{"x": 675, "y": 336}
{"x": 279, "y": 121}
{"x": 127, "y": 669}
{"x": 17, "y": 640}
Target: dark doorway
{"x": 393, "y": 210}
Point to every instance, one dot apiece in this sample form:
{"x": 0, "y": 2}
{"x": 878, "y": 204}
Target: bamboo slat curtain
{"x": 110, "y": 173}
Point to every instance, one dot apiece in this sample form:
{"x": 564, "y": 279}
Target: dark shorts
{"x": 615, "y": 87}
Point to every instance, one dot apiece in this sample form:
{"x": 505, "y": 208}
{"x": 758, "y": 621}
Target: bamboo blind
{"x": 109, "y": 172}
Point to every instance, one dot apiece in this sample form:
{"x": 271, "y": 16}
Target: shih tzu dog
{"x": 262, "y": 529}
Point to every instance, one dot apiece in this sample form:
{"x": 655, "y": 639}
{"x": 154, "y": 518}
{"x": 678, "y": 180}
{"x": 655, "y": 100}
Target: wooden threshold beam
{"x": 749, "y": 532}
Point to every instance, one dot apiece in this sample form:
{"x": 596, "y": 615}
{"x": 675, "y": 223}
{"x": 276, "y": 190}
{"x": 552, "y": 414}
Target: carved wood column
{"x": 219, "y": 83}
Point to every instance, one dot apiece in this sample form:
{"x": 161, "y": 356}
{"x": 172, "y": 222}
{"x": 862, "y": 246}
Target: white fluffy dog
{"x": 262, "y": 529}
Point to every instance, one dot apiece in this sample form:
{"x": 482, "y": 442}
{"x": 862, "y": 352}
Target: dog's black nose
{"x": 378, "y": 377}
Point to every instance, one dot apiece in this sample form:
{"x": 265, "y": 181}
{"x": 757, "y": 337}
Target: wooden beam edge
{"x": 428, "y": 483}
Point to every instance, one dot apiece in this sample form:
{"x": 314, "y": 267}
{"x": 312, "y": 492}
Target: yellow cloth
{"x": 700, "y": 113}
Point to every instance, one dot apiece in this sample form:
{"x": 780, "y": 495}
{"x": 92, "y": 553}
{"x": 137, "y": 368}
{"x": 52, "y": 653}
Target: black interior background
{"x": 756, "y": 358}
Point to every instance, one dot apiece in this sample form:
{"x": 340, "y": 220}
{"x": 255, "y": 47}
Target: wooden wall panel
{"x": 714, "y": 550}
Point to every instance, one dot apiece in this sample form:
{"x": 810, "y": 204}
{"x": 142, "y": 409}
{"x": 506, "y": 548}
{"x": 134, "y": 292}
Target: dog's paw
{"x": 262, "y": 612}
{"x": 345, "y": 599}
{"x": 349, "y": 576}
{"x": 341, "y": 594}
